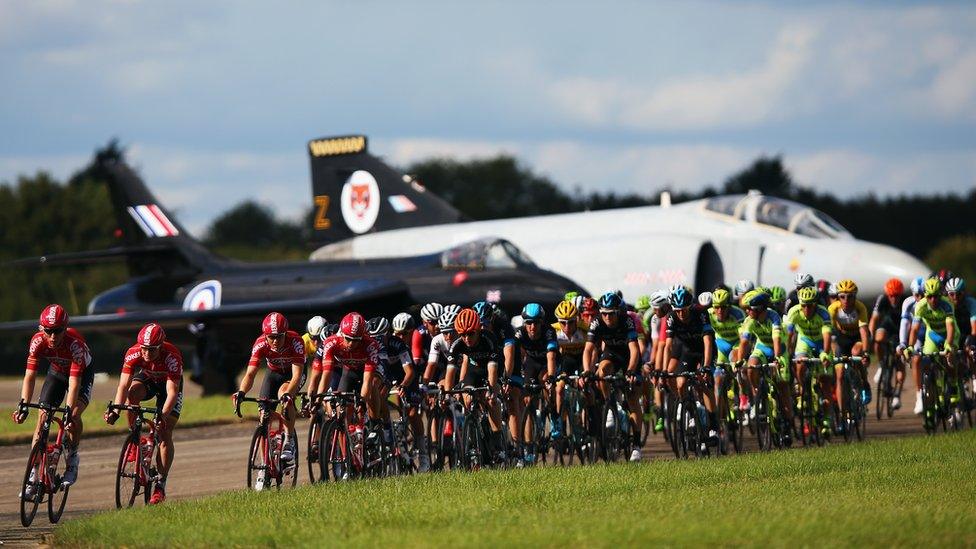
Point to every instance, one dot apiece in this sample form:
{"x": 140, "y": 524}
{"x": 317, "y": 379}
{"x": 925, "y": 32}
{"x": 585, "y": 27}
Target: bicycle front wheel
{"x": 257, "y": 463}
{"x": 56, "y": 466}
{"x": 32, "y": 490}
{"x": 314, "y": 446}
{"x": 126, "y": 474}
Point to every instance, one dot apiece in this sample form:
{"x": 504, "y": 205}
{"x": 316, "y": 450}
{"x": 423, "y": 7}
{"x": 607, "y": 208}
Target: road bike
{"x": 46, "y": 465}
{"x": 138, "y": 468}
{"x": 264, "y": 464}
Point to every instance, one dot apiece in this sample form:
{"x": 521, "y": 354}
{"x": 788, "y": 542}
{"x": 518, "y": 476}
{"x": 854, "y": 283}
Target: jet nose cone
{"x": 871, "y": 265}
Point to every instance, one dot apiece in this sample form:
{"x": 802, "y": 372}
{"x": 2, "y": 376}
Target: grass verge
{"x": 908, "y": 491}
{"x": 197, "y": 411}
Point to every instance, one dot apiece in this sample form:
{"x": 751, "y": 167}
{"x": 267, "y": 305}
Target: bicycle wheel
{"x": 472, "y": 452}
{"x": 127, "y": 474}
{"x": 530, "y": 431}
{"x": 434, "y": 426}
{"x": 315, "y": 429}
{"x": 56, "y": 463}
{"x": 336, "y": 456}
{"x": 289, "y": 473}
{"x": 881, "y": 392}
{"x": 764, "y": 433}
{"x": 610, "y": 431}
{"x": 257, "y": 462}
{"x": 32, "y": 490}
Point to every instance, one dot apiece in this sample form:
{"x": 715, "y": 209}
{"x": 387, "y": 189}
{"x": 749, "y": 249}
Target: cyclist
{"x": 907, "y": 315}
{"x": 396, "y": 369}
{"x": 657, "y": 326}
{"x": 537, "y": 353}
{"x": 809, "y": 327}
{"x": 615, "y": 338}
{"x": 777, "y": 296}
{"x": 936, "y": 312}
{"x": 741, "y": 288}
{"x": 690, "y": 345}
{"x": 357, "y": 356}
{"x": 849, "y": 318}
{"x": 160, "y": 376}
{"x": 311, "y": 338}
{"x": 965, "y": 311}
{"x": 725, "y": 320}
{"x": 493, "y": 322}
{"x": 823, "y": 292}
{"x": 438, "y": 363}
{"x": 571, "y": 340}
{"x": 409, "y": 389}
{"x": 761, "y": 341}
{"x": 883, "y": 324}
{"x": 801, "y": 280}
{"x": 284, "y": 352}
{"x": 69, "y": 378}
{"x": 479, "y": 356}
{"x": 425, "y": 334}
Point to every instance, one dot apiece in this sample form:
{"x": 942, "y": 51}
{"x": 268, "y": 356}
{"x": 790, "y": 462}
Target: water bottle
{"x": 356, "y": 436}
{"x": 145, "y": 443}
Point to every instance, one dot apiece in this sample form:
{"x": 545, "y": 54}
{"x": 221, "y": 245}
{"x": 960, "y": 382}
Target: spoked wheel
{"x": 32, "y": 490}
{"x": 315, "y": 431}
{"x": 473, "y": 447}
{"x": 289, "y": 473}
{"x": 610, "y": 434}
{"x": 56, "y": 466}
{"x": 336, "y": 453}
{"x": 258, "y": 468}
{"x": 764, "y": 434}
{"x": 433, "y": 424}
{"x": 127, "y": 484}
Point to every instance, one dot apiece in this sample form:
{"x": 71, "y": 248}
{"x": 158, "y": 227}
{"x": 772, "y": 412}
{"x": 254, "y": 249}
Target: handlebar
{"x": 112, "y": 407}
{"x": 243, "y": 399}
{"x": 43, "y": 406}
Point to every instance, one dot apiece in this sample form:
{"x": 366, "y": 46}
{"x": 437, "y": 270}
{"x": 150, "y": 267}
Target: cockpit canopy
{"x": 779, "y": 213}
{"x": 485, "y": 253}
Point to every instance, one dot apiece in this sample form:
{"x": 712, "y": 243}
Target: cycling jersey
{"x": 532, "y": 354}
{"x": 570, "y": 349}
{"x": 809, "y": 330}
{"x": 333, "y": 352}
{"x": 486, "y": 351}
{"x": 638, "y": 325}
{"x": 888, "y": 314}
{"x": 848, "y": 322}
{"x": 292, "y": 351}
{"x": 311, "y": 343}
{"x": 907, "y": 316}
{"x": 726, "y": 332}
{"x": 168, "y": 364}
{"x": 689, "y": 334}
{"x": 501, "y": 330}
{"x": 965, "y": 313}
{"x": 934, "y": 317}
{"x": 69, "y": 358}
{"x": 762, "y": 332}
{"x": 394, "y": 353}
{"x": 420, "y": 345}
{"x": 615, "y": 339}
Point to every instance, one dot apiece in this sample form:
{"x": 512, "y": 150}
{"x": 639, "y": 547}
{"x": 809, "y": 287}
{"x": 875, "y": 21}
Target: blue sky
{"x": 216, "y": 100}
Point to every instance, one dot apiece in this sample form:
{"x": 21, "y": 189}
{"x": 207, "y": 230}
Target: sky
{"x": 216, "y": 100}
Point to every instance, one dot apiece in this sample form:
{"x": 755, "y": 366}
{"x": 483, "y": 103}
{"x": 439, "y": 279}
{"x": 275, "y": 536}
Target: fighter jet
{"x": 365, "y": 209}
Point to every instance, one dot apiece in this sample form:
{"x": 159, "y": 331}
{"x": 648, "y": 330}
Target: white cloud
{"x": 953, "y": 89}
{"x": 735, "y": 99}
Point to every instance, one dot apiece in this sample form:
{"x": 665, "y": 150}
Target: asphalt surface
{"x": 213, "y": 459}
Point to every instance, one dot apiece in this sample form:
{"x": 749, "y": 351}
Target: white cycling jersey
{"x": 907, "y": 315}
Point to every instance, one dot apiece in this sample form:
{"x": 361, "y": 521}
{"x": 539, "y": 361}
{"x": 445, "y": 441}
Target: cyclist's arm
{"x": 509, "y": 352}
{"x": 588, "y": 348}
{"x": 27, "y": 391}
{"x": 72, "y": 394}
{"x": 296, "y": 378}
{"x": 453, "y": 371}
{"x": 709, "y": 340}
{"x": 865, "y": 349}
{"x": 248, "y": 380}
{"x": 950, "y": 331}
{"x": 409, "y": 373}
{"x": 551, "y": 364}
{"x": 826, "y": 332}
{"x": 634, "y": 356}
{"x": 313, "y": 382}
{"x": 745, "y": 346}
{"x": 172, "y": 395}
{"x": 777, "y": 344}
{"x": 666, "y": 356}
{"x": 493, "y": 375}
{"x": 367, "y": 381}
{"x": 873, "y": 323}
{"x": 913, "y": 334}
{"x": 122, "y": 393}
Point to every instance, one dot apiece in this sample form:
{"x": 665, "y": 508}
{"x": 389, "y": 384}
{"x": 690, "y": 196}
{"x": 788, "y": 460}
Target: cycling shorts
{"x": 272, "y": 384}
{"x": 570, "y": 365}
{"x": 808, "y": 348}
{"x": 157, "y": 390}
{"x": 532, "y": 368}
{"x": 55, "y": 388}
{"x": 618, "y": 360}
{"x": 352, "y": 381}
{"x": 845, "y": 344}
{"x": 477, "y": 375}
{"x": 724, "y": 350}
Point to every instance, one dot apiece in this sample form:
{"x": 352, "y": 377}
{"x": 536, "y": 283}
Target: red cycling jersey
{"x": 332, "y": 352}
{"x": 292, "y": 352}
{"x": 420, "y": 346}
{"x": 168, "y": 365}
{"x": 71, "y": 357}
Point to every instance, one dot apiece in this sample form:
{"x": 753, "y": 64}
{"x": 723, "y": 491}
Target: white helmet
{"x": 403, "y": 322}
{"x": 315, "y": 325}
{"x": 803, "y": 280}
{"x": 705, "y": 299}
{"x": 431, "y": 312}
{"x": 659, "y": 299}
{"x": 743, "y": 286}
{"x": 517, "y": 322}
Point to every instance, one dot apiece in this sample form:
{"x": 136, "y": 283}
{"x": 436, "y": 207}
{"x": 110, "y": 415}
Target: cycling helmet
{"x": 643, "y": 303}
{"x": 955, "y": 284}
{"x": 823, "y": 287}
{"x": 403, "y": 322}
{"x": 659, "y": 299}
{"x": 578, "y": 302}
{"x": 681, "y": 298}
{"x": 485, "y": 311}
{"x": 846, "y": 286}
{"x": 807, "y": 295}
{"x": 802, "y": 280}
{"x": 274, "y": 324}
{"x": 446, "y": 322}
{"x": 467, "y": 321}
{"x": 431, "y": 311}
{"x": 932, "y": 287}
{"x": 378, "y": 326}
{"x": 610, "y": 302}
{"x": 54, "y": 316}
{"x": 589, "y": 306}
{"x": 918, "y": 285}
{"x": 517, "y": 322}
{"x": 943, "y": 275}
{"x": 330, "y": 329}
{"x": 452, "y": 308}
{"x": 755, "y": 299}
{"x": 353, "y": 326}
{"x": 315, "y": 325}
{"x": 720, "y": 297}
{"x": 894, "y": 287}
{"x": 566, "y": 310}
{"x": 571, "y": 296}
{"x": 832, "y": 290}
{"x": 744, "y": 286}
{"x": 151, "y": 335}
{"x": 533, "y": 311}
{"x": 777, "y": 294}
{"x": 705, "y": 299}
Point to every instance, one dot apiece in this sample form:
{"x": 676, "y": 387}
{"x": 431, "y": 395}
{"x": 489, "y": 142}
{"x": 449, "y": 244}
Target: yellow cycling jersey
{"x": 570, "y": 345}
{"x": 310, "y": 346}
{"x": 848, "y": 322}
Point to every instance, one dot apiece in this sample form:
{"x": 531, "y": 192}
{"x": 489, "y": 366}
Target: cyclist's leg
{"x": 52, "y": 393}
{"x": 167, "y": 450}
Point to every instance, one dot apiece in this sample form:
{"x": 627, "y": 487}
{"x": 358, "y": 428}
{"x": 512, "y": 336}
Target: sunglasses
{"x": 149, "y": 348}
{"x": 275, "y": 337}
{"x": 52, "y": 331}
{"x": 845, "y": 296}
{"x": 567, "y": 322}
{"x": 466, "y": 334}
{"x": 350, "y": 339}
{"x": 808, "y": 304}
{"x": 608, "y": 313}
{"x": 531, "y": 322}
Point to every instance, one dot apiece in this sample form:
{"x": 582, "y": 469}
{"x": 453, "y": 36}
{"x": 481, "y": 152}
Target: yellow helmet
{"x": 720, "y": 297}
{"x": 933, "y": 287}
{"x": 807, "y": 295}
{"x": 566, "y": 310}
{"x": 846, "y": 286}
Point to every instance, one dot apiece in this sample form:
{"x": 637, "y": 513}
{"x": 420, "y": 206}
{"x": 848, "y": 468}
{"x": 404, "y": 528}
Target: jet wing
{"x": 341, "y": 297}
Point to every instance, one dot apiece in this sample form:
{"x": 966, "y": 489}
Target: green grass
{"x": 909, "y": 491}
{"x": 196, "y": 411}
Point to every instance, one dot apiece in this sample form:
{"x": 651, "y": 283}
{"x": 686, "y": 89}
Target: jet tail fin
{"x": 355, "y": 192}
{"x": 145, "y": 224}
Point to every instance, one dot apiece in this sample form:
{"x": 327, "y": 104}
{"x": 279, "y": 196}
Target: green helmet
{"x": 933, "y": 287}
{"x": 570, "y": 295}
{"x": 643, "y": 303}
{"x": 777, "y": 294}
{"x": 807, "y": 295}
{"x": 720, "y": 297}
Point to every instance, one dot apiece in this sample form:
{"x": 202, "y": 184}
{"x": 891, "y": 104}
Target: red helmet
{"x": 274, "y": 324}
{"x": 353, "y": 326}
{"x": 589, "y": 305}
{"x": 467, "y": 321}
{"x": 894, "y": 287}
{"x": 54, "y": 316}
{"x": 151, "y": 335}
